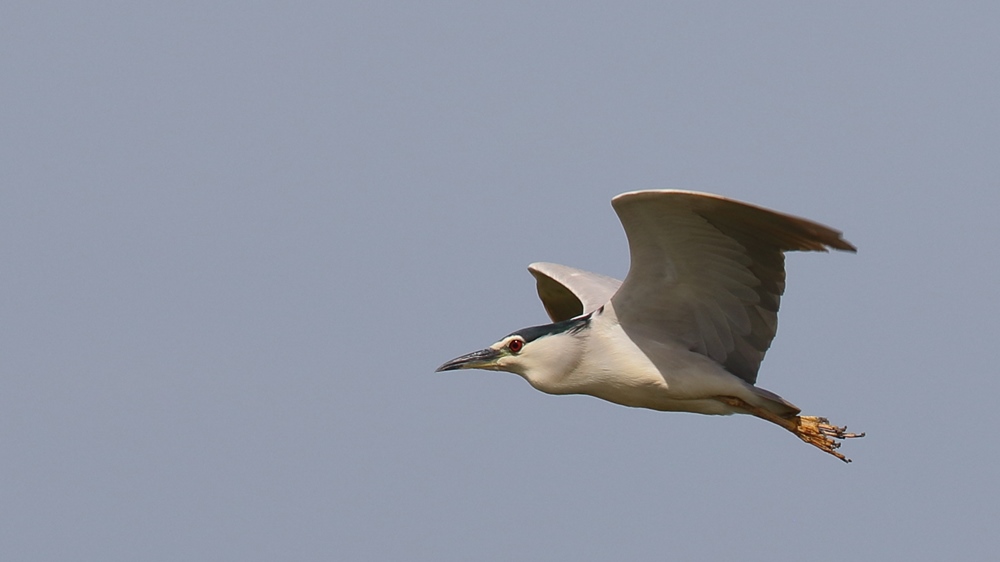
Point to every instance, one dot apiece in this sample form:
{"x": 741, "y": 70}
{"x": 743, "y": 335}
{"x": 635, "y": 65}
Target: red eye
{"x": 515, "y": 345}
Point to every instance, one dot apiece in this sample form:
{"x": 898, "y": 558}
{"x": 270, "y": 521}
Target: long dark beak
{"x": 482, "y": 359}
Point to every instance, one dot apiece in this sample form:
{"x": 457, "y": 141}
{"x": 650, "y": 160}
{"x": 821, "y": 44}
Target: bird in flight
{"x": 687, "y": 329}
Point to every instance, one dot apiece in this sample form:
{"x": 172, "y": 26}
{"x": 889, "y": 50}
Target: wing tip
{"x": 826, "y": 238}
{"x": 846, "y": 246}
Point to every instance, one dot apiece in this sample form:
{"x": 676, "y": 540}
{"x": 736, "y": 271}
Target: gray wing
{"x": 567, "y": 292}
{"x": 709, "y": 272}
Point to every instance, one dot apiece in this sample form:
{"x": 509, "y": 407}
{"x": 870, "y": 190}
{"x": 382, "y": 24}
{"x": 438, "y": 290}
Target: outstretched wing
{"x": 567, "y": 292}
{"x": 709, "y": 272}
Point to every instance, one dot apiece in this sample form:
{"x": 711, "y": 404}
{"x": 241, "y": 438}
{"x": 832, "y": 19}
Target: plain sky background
{"x": 237, "y": 238}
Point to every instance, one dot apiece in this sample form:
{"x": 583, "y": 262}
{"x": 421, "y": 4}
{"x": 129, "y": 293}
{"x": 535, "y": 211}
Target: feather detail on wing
{"x": 567, "y": 292}
{"x": 709, "y": 272}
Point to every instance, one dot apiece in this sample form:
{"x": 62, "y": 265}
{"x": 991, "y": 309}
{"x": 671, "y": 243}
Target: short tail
{"x": 775, "y": 403}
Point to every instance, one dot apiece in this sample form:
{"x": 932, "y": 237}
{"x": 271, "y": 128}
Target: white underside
{"x": 631, "y": 370}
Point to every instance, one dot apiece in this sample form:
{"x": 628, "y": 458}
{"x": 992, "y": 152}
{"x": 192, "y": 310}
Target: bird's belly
{"x": 644, "y": 373}
{"x": 688, "y": 382}
{"x": 654, "y": 395}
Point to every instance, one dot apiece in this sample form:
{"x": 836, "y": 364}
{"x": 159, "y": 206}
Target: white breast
{"x": 657, "y": 375}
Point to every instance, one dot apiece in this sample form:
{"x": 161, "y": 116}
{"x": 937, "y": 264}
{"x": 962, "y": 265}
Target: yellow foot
{"x": 819, "y": 433}
{"x": 811, "y": 429}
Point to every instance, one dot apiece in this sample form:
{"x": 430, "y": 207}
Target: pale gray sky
{"x": 238, "y": 238}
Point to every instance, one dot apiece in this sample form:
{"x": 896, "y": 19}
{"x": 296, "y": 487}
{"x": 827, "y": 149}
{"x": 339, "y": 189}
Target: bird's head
{"x": 534, "y": 353}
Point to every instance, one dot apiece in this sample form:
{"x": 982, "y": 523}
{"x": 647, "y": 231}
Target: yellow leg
{"x": 813, "y": 430}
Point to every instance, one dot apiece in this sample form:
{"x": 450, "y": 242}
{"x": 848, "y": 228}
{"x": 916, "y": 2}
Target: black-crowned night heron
{"x": 687, "y": 329}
